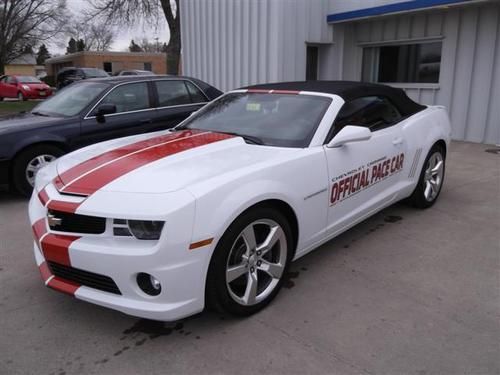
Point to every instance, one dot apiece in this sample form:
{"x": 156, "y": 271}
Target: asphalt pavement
{"x": 407, "y": 291}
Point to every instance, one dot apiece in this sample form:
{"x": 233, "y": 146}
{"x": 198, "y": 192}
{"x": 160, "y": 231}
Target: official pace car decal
{"x": 350, "y": 183}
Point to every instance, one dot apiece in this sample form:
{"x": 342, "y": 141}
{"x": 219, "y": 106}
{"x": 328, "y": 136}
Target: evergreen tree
{"x": 42, "y": 55}
{"x": 71, "y": 48}
{"x": 134, "y": 47}
{"x": 80, "y": 45}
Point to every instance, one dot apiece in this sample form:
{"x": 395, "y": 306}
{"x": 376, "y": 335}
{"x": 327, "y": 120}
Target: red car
{"x": 23, "y": 88}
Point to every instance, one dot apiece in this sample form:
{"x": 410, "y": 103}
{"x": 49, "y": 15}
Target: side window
{"x": 172, "y": 93}
{"x": 373, "y": 112}
{"x": 11, "y": 80}
{"x": 196, "y": 95}
{"x": 129, "y": 97}
{"x": 3, "y": 79}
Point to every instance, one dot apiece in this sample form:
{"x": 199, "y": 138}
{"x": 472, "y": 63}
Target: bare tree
{"x": 131, "y": 11}
{"x": 96, "y": 33}
{"x": 27, "y": 23}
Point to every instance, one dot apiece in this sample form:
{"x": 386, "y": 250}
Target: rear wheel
{"x": 250, "y": 262}
{"x": 27, "y": 164}
{"x": 431, "y": 179}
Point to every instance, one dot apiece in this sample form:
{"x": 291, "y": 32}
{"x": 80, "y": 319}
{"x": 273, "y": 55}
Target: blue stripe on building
{"x": 390, "y": 8}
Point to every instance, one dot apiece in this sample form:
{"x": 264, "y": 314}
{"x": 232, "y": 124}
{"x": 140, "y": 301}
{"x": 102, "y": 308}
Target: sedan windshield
{"x": 282, "y": 120}
{"x": 71, "y": 100}
{"x": 28, "y": 79}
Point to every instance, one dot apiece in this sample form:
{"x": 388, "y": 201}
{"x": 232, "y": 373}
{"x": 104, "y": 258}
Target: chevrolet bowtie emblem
{"x": 53, "y": 221}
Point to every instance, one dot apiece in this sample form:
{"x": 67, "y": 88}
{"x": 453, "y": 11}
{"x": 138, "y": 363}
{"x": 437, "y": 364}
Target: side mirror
{"x": 103, "y": 110}
{"x": 350, "y": 133}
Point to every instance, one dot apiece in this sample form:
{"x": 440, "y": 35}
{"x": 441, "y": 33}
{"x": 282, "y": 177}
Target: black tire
{"x": 19, "y": 179}
{"x": 21, "y": 97}
{"x": 217, "y": 294}
{"x": 1, "y": 98}
{"x": 418, "y": 198}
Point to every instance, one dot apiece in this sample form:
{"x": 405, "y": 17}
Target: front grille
{"x": 78, "y": 223}
{"x": 90, "y": 279}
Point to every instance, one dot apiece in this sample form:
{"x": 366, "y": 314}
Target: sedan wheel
{"x": 27, "y": 164}
{"x": 35, "y": 164}
{"x": 20, "y": 96}
{"x": 256, "y": 262}
{"x": 250, "y": 262}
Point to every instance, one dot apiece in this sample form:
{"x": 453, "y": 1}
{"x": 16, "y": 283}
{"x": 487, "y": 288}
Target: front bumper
{"x": 180, "y": 270}
{"x": 33, "y": 94}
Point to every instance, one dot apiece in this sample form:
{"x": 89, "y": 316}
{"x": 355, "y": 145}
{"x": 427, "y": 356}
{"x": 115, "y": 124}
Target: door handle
{"x": 397, "y": 141}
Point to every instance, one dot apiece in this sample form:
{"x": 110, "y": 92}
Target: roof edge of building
{"x": 101, "y": 53}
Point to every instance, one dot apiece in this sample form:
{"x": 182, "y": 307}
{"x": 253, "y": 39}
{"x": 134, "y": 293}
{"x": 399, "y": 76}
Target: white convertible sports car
{"x": 213, "y": 212}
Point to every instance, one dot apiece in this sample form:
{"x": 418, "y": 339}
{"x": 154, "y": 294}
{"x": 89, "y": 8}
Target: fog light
{"x": 148, "y": 284}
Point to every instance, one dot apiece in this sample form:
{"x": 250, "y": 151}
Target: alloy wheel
{"x": 433, "y": 177}
{"x": 256, "y": 262}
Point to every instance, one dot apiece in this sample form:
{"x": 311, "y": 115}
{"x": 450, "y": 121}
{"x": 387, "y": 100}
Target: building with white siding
{"x": 443, "y": 52}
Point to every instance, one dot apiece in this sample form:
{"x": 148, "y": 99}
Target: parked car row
{"x": 92, "y": 111}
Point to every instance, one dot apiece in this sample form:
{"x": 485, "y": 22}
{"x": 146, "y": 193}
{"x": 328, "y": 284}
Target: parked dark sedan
{"x": 92, "y": 111}
{"x": 66, "y": 76}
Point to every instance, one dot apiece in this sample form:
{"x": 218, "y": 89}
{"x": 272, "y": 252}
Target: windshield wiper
{"x": 36, "y": 113}
{"x": 248, "y": 138}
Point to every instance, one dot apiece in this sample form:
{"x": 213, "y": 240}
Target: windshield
{"x": 71, "y": 100}
{"x": 28, "y": 79}
{"x": 92, "y": 72}
{"x": 282, "y": 120}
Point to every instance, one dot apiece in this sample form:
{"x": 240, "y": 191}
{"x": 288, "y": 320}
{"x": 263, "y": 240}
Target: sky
{"x": 122, "y": 36}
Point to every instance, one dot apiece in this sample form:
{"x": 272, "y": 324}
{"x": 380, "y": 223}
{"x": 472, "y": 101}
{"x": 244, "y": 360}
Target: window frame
{"x": 151, "y": 101}
{"x": 403, "y": 42}
{"x": 153, "y": 97}
{"x": 333, "y": 130}
{"x": 156, "y": 95}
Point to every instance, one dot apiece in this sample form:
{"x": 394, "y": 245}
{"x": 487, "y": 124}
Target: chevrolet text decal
{"x": 352, "y": 182}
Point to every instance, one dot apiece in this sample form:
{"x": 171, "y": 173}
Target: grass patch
{"x": 8, "y": 108}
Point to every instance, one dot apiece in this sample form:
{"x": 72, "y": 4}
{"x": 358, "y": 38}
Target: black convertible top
{"x": 349, "y": 90}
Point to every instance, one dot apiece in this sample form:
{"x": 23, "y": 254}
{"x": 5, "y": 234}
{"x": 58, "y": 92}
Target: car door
{"x": 364, "y": 176}
{"x": 176, "y": 100}
{"x": 133, "y": 114}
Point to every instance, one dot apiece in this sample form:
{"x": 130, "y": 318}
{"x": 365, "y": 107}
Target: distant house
{"x": 111, "y": 62}
{"x": 23, "y": 65}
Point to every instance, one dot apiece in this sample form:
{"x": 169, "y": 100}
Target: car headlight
{"x": 26, "y": 87}
{"x": 140, "y": 229}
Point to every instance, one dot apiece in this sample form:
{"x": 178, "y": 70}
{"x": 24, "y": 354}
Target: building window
{"x": 148, "y": 66}
{"x": 312, "y": 63}
{"x": 405, "y": 63}
{"x": 108, "y": 67}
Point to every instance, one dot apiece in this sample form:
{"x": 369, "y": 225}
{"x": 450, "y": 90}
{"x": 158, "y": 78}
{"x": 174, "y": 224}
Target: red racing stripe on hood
{"x": 99, "y": 160}
{"x": 99, "y": 177}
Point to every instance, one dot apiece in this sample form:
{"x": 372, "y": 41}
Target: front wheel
{"x": 250, "y": 262}
{"x": 431, "y": 179}
{"x": 21, "y": 97}
{"x": 27, "y": 164}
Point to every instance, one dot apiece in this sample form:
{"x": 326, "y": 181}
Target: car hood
{"x": 159, "y": 163}
{"x": 22, "y": 121}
